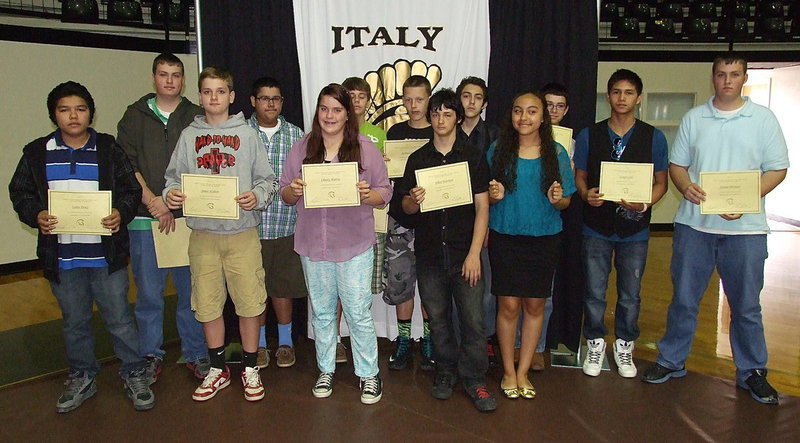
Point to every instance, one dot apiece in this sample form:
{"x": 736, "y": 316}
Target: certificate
{"x": 563, "y": 135}
{"x": 381, "y": 219}
{"x": 331, "y": 185}
{"x": 731, "y": 192}
{"x": 632, "y": 182}
{"x": 398, "y": 152}
{"x": 172, "y": 250}
{"x": 210, "y": 196}
{"x": 79, "y": 212}
{"x": 445, "y": 186}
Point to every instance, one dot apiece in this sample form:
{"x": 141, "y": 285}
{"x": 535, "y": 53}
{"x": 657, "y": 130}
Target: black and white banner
{"x": 385, "y": 42}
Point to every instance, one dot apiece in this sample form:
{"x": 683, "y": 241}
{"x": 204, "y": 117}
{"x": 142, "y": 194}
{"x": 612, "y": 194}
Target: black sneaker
{"x": 443, "y": 385}
{"x": 426, "y": 349}
{"x": 659, "y": 374}
{"x": 759, "y": 387}
{"x": 371, "y": 390}
{"x": 482, "y": 398}
{"x": 402, "y": 355}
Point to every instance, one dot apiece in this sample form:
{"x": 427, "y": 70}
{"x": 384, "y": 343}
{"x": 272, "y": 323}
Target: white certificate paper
{"x": 398, "y": 152}
{"x": 632, "y": 182}
{"x": 79, "y": 212}
{"x": 210, "y": 196}
{"x": 445, "y": 186}
{"x": 381, "y": 219}
{"x": 731, "y": 192}
{"x": 330, "y": 185}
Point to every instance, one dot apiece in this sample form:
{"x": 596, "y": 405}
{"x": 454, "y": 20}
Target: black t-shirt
{"x": 443, "y": 237}
{"x": 403, "y": 131}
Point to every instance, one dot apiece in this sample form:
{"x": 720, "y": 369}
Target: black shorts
{"x": 523, "y": 265}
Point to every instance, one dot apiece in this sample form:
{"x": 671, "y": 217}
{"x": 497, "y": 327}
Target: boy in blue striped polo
{"x": 84, "y": 269}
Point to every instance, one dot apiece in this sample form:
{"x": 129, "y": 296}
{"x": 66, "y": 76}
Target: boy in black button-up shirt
{"x": 448, "y": 246}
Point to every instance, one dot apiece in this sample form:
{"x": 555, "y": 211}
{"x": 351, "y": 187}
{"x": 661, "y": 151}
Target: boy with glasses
{"x": 282, "y": 269}
{"x": 619, "y": 228}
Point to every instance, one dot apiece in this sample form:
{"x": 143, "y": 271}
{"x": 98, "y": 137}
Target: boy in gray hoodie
{"x": 224, "y": 252}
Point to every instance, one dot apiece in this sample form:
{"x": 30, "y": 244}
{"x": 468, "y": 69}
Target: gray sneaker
{"x": 79, "y": 387}
{"x": 137, "y": 387}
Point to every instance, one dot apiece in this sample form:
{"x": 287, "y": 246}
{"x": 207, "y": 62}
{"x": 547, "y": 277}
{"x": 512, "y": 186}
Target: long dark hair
{"x": 506, "y": 153}
{"x": 350, "y": 151}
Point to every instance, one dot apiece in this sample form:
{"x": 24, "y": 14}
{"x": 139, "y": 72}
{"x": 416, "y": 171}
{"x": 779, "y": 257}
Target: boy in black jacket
{"x": 84, "y": 268}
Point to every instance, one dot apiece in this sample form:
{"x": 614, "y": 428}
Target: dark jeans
{"x": 629, "y": 260}
{"x": 438, "y": 288}
{"x": 78, "y": 289}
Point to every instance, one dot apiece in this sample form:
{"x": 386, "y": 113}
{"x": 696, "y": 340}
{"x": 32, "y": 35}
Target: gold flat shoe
{"x": 512, "y": 393}
{"x": 528, "y": 393}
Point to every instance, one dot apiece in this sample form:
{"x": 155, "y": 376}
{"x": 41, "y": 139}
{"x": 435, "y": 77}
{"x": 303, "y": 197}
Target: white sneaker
{"x": 253, "y": 388}
{"x": 623, "y": 357}
{"x": 593, "y": 363}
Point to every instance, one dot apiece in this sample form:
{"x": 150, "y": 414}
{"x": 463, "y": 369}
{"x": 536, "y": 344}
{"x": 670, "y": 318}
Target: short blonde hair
{"x": 215, "y": 72}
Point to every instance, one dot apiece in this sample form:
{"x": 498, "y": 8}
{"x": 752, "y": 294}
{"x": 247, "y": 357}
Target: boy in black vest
{"x": 617, "y": 227}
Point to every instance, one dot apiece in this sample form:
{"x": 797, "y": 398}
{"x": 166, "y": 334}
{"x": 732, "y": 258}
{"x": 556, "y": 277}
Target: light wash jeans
{"x": 739, "y": 260}
{"x": 150, "y": 283}
{"x": 78, "y": 289}
{"x": 349, "y": 282}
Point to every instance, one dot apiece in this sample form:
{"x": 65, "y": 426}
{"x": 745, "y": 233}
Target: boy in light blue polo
{"x": 728, "y": 133}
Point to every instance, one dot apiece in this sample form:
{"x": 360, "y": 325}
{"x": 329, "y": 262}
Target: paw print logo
{"x": 386, "y": 83}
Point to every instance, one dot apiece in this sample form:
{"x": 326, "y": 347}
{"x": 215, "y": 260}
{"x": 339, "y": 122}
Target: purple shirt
{"x": 337, "y": 234}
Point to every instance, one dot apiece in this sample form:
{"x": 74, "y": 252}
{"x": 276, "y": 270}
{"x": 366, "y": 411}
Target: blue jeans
{"x": 739, "y": 259}
{"x": 150, "y": 283}
{"x": 438, "y": 288}
{"x": 76, "y": 292}
{"x": 350, "y": 282}
{"x": 629, "y": 261}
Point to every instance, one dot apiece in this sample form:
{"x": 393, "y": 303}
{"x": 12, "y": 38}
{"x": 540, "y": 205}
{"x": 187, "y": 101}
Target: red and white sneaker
{"x": 251, "y": 380}
{"x": 216, "y": 380}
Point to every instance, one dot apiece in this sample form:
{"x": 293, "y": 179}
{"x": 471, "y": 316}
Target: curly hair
{"x": 350, "y": 151}
{"x": 506, "y": 153}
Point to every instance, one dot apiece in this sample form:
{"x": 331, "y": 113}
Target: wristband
{"x": 643, "y": 209}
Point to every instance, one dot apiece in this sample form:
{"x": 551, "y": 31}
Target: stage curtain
{"x": 253, "y": 38}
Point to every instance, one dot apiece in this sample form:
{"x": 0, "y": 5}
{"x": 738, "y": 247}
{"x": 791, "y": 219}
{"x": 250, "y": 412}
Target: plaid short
{"x": 378, "y": 275}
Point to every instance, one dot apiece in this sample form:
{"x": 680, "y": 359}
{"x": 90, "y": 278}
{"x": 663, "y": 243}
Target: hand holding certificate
{"x": 398, "y": 151}
{"x": 731, "y": 192}
{"x": 445, "y": 186}
{"x": 632, "y": 182}
{"x": 80, "y": 212}
{"x": 210, "y": 196}
{"x": 331, "y": 185}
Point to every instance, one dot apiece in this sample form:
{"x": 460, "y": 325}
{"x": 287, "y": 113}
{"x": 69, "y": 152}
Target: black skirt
{"x": 523, "y": 265}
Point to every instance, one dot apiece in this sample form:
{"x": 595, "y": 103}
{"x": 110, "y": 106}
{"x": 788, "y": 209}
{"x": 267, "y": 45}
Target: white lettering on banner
{"x": 359, "y": 34}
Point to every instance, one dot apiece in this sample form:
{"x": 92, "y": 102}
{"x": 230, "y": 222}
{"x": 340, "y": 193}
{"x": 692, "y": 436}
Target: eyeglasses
{"x": 617, "y": 148}
{"x": 559, "y": 106}
{"x": 266, "y": 98}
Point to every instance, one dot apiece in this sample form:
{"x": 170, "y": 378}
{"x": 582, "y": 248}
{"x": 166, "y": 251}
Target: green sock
{"x": 404, "y": 328}
{"x": 426, "y": 329}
